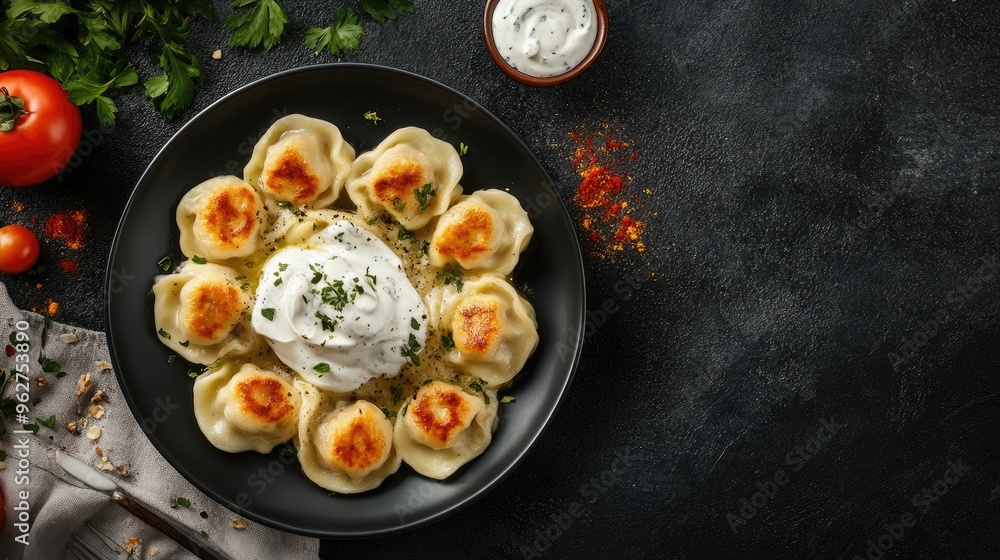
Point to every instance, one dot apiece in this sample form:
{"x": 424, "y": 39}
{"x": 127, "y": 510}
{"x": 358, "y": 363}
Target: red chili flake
{"x": 9, "y": 350}
{"x": 70, "y": 267}
{"x": 70, "y": 226}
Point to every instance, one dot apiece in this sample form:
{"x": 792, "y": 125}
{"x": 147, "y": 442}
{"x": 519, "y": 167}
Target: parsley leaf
{"x": 424, "y": 195}
{"x": 322, "y": 368}
{"x": 388, "y": 413}
{"x": 506, "y": 399}
{"x": 448, "y": 342}
{"x": 452, "y": 277}
{"x": 414, "y": 324}
{"x": 163, "y": 333}
{"x": 264, "y": 23}
{"x": 410, "y": 350}
{"x": 343, "y": 36}
{"x": 268, "y": 313}
{"x": 382, "y": 10}
{"x": 199, "y": 260}
{"x": 397, "y": 393}
{"x": 33, "y": 428}
{"x": 165, "y": 263}
{"x": 49, "y": 423}
{"x": 179, "y": 501}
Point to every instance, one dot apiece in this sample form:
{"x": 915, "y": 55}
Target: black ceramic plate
{"x": 269, "y": 488}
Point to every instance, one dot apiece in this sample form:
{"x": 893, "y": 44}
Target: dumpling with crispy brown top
{"x": 443, "y": 427}
{"x": 411, "y": 175}
{"x": 300, "y": 160}
{"x": 199, "y": 312}
{"x": 344, "y": 446}
{"x": 486, "y": 231}
{"x": 492, "y": 328}
{"x": 220, "y": 219}
{"x": 252, "y": 408}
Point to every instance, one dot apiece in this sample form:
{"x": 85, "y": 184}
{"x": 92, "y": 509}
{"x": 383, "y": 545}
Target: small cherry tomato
{"x": 39, "y": 128}
{"x": 19, "y": 249}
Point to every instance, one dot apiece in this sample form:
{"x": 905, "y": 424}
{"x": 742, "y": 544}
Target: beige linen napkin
{"x": 55, "y": 509}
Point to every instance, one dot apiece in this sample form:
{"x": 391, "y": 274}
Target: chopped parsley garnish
{"x": 185, "y": 343}
{"x": 406, "y": 235}
{"x": 475, "y": 386}
{"x": 398, "y": 204}
{"x": 204, "y": 515}
{"x": 448, "y": 342}
{"x": 405, "y": 408}
{"x": 171, "y": 358}
{"x": 244, "y": 286}
{"x": 268, "y": 313}
{"x": 339, "y": 237}
{"x": 327, "y": 323}
{"x": 410, "y": 350}
{"x": 204, "y": 534}
{"x": 199, "y": 260}
{"x": 462, "y": 149}
{"x": 322, "y": 368}
{"x": 49, "y": 423}
{"x": 317, "y": 273}
{"x": 52, "y": 366}
{"x": 424, "y": 195}
{"x": 290, "y": 207}
{"x": 388, "y": 413}
{"x": 486, "y": 398}
{"x": 373, "y": 117}
{"x": 278, "y": 282}
{"x": 180, "y": 502}
{"x": 452, "y": 277}
{"x": 282, "y": 267}
{"x": 33, "y": 428}
{"x": 163, "y": 333}
{"x": 370, "y": 278}
{"x": 414, "y": 324}
{"x": 165, "y": 263}
{"x": 397, "y": 393}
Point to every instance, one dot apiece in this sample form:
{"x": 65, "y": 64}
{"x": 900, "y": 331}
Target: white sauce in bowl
{"x": 544, "y": 38}
{"x": 339, "y": 309}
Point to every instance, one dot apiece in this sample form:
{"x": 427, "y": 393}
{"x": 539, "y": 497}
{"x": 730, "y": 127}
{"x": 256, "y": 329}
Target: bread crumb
{"x": 40, "y": 381}
{"x": 68, "y": 338}
{"x": 99, "y": 452}
{"x": 217, "y": 55}
{"x": 83, "y": 384}
{"x": 238, "y": 523}
{"x": 99, "y": 396}
{"x": 94, "y": 433}
{"x": 152, "y": 552}
{"x": 73, "y": 428}
{"x": 123, "y": 470}
{"x": 103, "y": 365}
{"x": 97, "y": 411}
{"x": 131, "y": 544}
{"x": 106, "y": 464}
{"x": 3, "y": 465}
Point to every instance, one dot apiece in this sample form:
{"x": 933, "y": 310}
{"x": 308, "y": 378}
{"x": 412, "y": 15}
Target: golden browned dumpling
{"x": 443, "y": 427}
{"x": 251, "y": 409}
{"x": 478, "y": 325}
{"x": 300, "y": 160}
{"x": 344, "y": 446}
{"x": 439, "y": 413}
{"x": 486, "y": 230}
{"x": 411, "y": 175}
{"x": 199, "y": 312}
{"x": 220, "y": 219}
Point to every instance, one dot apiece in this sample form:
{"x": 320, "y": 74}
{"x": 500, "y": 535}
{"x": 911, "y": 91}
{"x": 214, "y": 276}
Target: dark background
{"x": 823, "y": 198}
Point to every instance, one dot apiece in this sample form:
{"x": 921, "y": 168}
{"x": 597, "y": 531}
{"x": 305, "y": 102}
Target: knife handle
{"x": 189, "y": 540}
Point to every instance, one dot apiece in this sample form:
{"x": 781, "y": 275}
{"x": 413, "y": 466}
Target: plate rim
{"x": 453, "y": 507}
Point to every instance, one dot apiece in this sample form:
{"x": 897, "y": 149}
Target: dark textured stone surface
{"x": 825, "y": 180}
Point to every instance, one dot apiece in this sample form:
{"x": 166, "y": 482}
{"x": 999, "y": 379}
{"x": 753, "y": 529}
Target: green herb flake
{"x": 448, "y": 342}
{"x": 163, "y": 333}
{"x": 424, "y": 195}
{"x": 398, "y": 204}
{"x": 171, "y": 358}
{"x": 199, "y": 260}
{"x": 322, "y": 368}
{"x": 462, "y": 149}
{"x": 410, "y": 350}
{"x": 33, "y": 428}
{"x": 204, "y": 534}
{"x": 268, "y": 313}
{"x": 282, "y": 267}
{"x": 388, "y": 413}
{"x": 452, "y": 277}
{"x": 414, "y": 324}
{"x": 165, "y": 263}
{"x": 373, "y": 118}
{"x": 50, "y": 422}
{"x": 185, "y": 343}
{"x": 397, "y": 394}
{"x": 278, "y": 282}
{"x": 204, "y": 515}
{"x": 179, "y": 501}
{"x": 507, "y": 399}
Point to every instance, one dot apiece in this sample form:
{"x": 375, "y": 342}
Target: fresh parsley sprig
{"x": 263, "y": 24}
{"x": 341, "y": 37}
{"x": 382, "y": 10}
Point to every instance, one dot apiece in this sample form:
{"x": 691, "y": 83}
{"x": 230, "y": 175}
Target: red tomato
{"x": 18, "y": 249}
{"x": 43, "y": 140}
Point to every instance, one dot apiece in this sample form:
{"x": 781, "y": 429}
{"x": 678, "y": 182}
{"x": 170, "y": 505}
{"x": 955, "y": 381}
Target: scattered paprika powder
{"x": 602, "y": 162}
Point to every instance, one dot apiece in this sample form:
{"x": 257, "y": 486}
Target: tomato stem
{"x": 10, "y": 108}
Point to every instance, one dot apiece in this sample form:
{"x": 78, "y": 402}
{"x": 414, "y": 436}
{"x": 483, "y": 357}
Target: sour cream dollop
{"x": 544, "y": 38}
{"x": 339, "y": 309}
